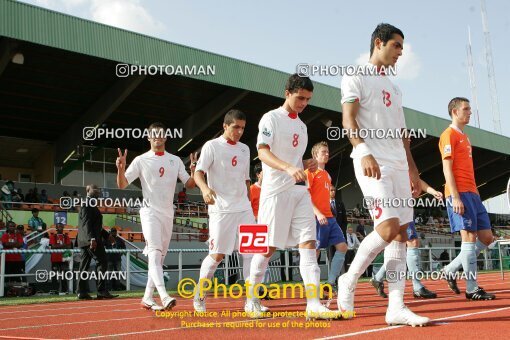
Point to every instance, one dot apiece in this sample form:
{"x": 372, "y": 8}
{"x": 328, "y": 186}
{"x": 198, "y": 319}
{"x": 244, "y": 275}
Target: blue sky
{"x": 282, "y": 34}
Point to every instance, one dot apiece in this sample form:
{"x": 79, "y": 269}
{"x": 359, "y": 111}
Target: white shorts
{"x": 224, "y": 230}
{"x": 394, "y": 185}
{"x": 157, "y": 230}
{"x": 289, "y": 217}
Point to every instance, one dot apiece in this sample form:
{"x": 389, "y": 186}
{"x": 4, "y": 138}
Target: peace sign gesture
{"x": 121, "y": 160}
{"x": 193, "y": 161}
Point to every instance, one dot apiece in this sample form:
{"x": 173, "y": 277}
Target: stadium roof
{"x": 68, "y": 81}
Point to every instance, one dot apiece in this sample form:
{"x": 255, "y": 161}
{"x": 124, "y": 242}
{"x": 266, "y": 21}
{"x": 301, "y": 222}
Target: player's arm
{"x": 207, "y": 193}
{"x": 430, "y": 190}
{"x": 122, "y": 181}
{"x": 369, "y": 165}
{"x": 320, "y": 217}
{"x": 457, "y": 205}
{"x": 414, "y": 175}
{"x": 248, "y": 191}
{"x": 266, "y": 156}
{"x": 190, "y": 183}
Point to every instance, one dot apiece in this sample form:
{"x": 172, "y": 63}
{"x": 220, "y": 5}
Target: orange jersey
{"x": 255, "y": 198}
{"x": 319, "y": 184}
{"x": 455, "y": 145}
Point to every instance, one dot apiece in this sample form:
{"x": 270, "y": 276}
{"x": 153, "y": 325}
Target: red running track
{"x": 453, "y": 317}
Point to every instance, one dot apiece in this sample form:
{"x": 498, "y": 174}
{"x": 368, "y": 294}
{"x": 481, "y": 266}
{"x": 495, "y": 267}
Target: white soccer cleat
{"x": 403, "y": 316}
{"x": 169, "y": 303}
{"x": 199, "y": 304}
{"x": 254, "y": 309}
{"x": 321, "y": 312}
{"x": 147, "y": 303}
{"x": 345, "y": 298}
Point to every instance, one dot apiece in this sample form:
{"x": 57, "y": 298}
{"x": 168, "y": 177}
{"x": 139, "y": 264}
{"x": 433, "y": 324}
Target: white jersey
{"x": 287, "y": 139}
{"x": 380, "y": 108}
{"x": 158, "y": 175}
{"x": 228, "y": 168}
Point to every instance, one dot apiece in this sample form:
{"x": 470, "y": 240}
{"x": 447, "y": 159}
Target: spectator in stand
{"x": 17, "y": 196}
{"x": 14, "y": 263}
{"x": 418, "y": 220}
{"x": 37, "y": 198}
{"x": 114, "y": 259}
{"x": 360, "y": 230}
{"x": 7, "y": 196}
{"x": 182, "y": 197}
{"x": 29, "y": 198}
{"x": 36, "y": 223}
{"x": 430, "y": 221}
{"x": 59, "y": 240}
{"x": 20, "y": 229}
{"x": 352, "y": 244}
{"x": 44, "y": 197}
{"x": 356, "y": 211}
{"x": 188, "y": 223}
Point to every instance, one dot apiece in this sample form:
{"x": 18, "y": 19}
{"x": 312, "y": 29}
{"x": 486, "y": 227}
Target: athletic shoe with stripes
{"x": 480, "y": 294}
{"x": 424, "y": 293}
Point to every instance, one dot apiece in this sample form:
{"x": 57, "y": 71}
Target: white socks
{"x": 156, "y": 274}
{"x": 395, "y": 263}
{"x": 257, "y": 270}
{"x": 311, "y": 274}
{"x": 372, "y": 245}
{"x": 207, "y": 270}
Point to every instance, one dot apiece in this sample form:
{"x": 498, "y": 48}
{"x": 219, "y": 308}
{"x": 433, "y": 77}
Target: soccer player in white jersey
{"x": 285, "y": 202}
{"x": 226, "y": 161}
{"x": 158, "y": 171}
{"x": 384, "y": 168}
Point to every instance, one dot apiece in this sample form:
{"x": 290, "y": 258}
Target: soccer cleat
{"x": 199, "y": 304}
{"x": 452, "y": 282}
{"x": 318, "y": 311}
{"x": 147, "y": 303}
{"x": 345, "y": 299}
{"x": 480, "y": 294}
{"x": 379, "y": 287}
{"x": 254, "y": 310}
{"x": 403, "y": 316}
{"x": 263, "y": 308}
{"x": 169, "y": 303}
{"x": 424, "y": 293}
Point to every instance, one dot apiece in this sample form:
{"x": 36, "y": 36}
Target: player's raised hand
{"x": 296, "y": 173}
{"x": 209, "y": 195}
{"x": 121, "y": 160}
{"x": 310, "y": 164}
{"x": 193, "y": 158}
{"x": 370, "y": 167}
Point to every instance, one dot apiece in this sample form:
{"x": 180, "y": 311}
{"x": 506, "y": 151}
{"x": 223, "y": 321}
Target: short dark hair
{"x": 454, "y": 103}
{"x": 113, "y": 229}
{"x": 157, "y": 125}
{"x": 296, "y": 83}
{"x": 232, "y": 115}
{"x": 34, "y": 210}
{"x": 257, "y": 169}
{"x": 384, "y": 32}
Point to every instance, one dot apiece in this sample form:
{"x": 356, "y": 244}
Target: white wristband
{"x": 362, "y": 150}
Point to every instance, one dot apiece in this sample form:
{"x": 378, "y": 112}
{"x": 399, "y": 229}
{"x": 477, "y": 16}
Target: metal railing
{"x": 288, "y": 266}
